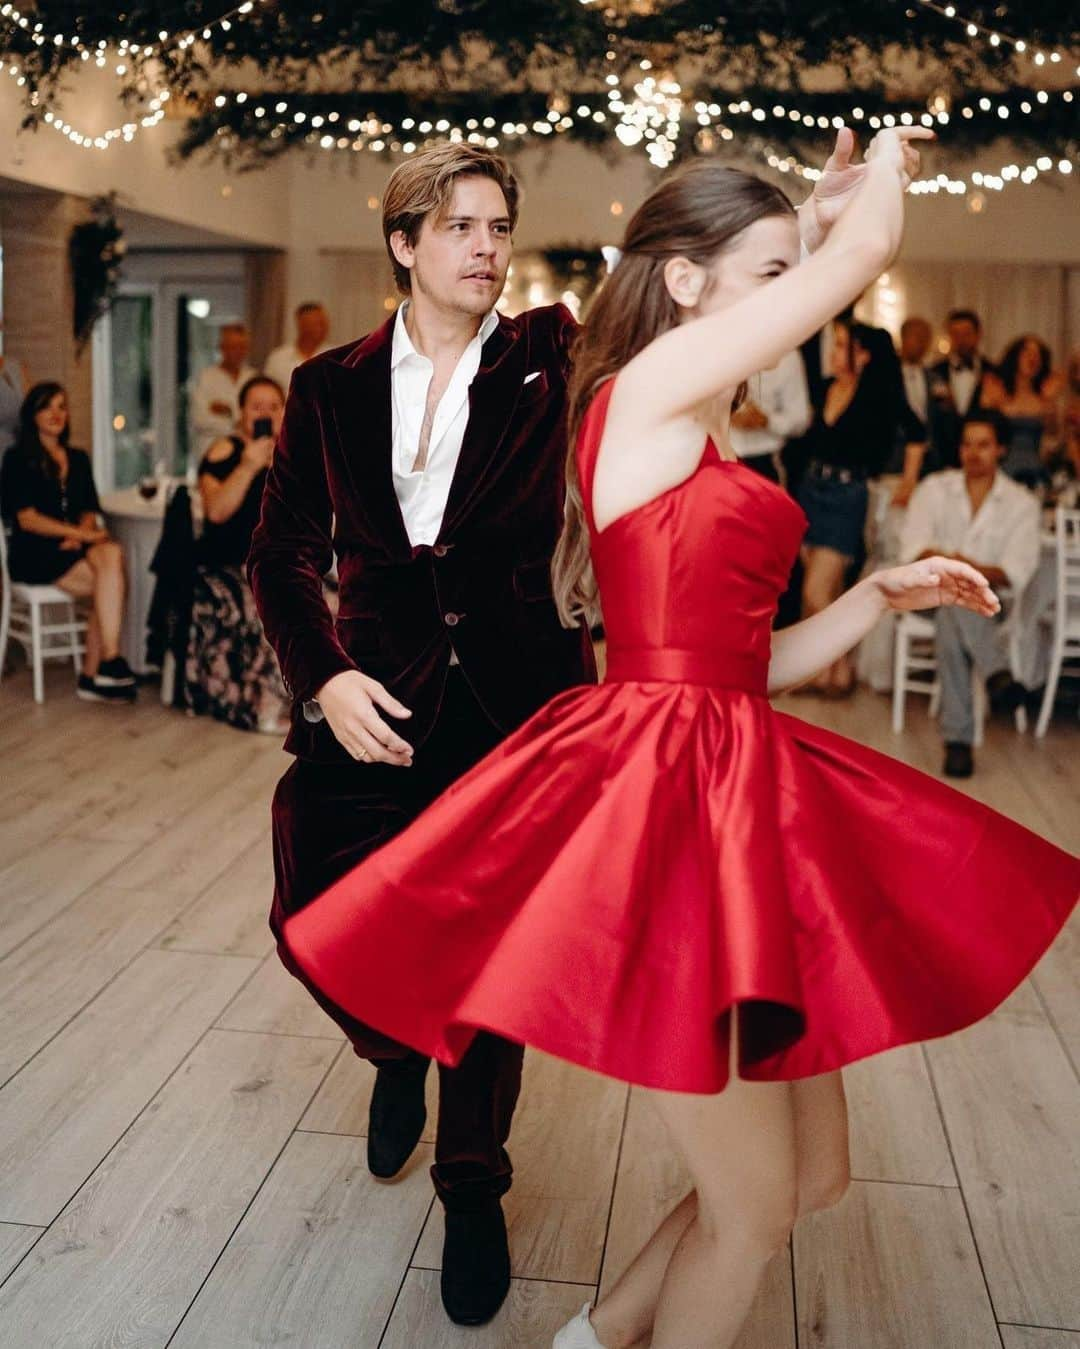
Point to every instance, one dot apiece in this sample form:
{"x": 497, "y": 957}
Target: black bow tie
{"x": 963, "y": 362}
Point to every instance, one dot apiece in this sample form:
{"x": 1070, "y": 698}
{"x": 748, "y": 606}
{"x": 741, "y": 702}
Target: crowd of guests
{"x": 962, "y": 445}
{"x": 50, "y": 506}
{"x": 966, "y": 449}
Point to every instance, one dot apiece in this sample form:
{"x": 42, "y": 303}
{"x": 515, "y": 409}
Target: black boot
{"x": 476, "y": 1264}
{"x": 398, "y": 1114}
{"x": 959, "y": 760}
{"x": 1005, "y": 693}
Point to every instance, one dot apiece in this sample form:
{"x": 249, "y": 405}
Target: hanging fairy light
{"x": 653, "y": 116}
{"x": 996, "y": 37}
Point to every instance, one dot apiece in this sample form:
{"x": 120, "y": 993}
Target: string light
{"x": 996, "y": 37}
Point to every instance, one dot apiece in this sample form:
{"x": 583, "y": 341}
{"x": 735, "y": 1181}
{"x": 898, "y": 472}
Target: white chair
{"x": 1065, "y": 652}
{"x": 915, "y": 671}
{"x": 23, "y": 618}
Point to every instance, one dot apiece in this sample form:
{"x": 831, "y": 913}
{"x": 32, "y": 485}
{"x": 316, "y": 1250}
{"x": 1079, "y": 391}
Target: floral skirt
{"x": 231, "y": 671}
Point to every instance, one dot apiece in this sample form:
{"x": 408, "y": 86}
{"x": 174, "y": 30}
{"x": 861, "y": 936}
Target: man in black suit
{"x": 913, "y": 455}
{"x": 956, "y": 384}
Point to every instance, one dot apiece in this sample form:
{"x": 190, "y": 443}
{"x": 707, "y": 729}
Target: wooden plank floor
{"x": 182, "y": 1129}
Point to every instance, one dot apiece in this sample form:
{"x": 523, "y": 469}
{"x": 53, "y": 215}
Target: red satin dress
{"x": 645, "y": 855}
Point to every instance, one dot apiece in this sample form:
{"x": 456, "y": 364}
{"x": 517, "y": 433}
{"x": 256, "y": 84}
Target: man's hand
{"x": 840, "y": 180}
{"x": 349, "y": 703}
{"x": 749, "y": 417}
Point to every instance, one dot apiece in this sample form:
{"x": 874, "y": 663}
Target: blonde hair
{"x": 695, "y": 213}
{"x": 423, "y": 186}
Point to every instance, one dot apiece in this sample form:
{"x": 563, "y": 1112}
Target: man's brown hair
{"x": 423, "y": 186}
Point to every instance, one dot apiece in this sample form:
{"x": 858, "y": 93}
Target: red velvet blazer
{"x": 486, "y": 581}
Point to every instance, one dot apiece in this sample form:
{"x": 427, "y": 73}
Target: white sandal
{"x": 578, "y": 1333}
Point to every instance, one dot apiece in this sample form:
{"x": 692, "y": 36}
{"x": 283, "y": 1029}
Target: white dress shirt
{"x": 916, "y": 390}
{"x": 964, "y": 383}
{"x": 1004, "y": 532}
{"x": 216, "y": 385}
{"x": 423, "y": 495}
{"x": 283, "y": 360}
{"x": 780, "y": 393}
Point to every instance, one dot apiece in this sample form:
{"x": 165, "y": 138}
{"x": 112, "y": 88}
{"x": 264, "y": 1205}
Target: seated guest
{"x": 215, "y": 395}
{"x": 312, "y": 330}
{"x": 849, "y": 442}
{"x": 956, "y": 384}
{"x": 48, "y": 497}
{"x": 910, "y": 459}
{"x": 1027, "y": 391}
{"x": 230, "y": 671}
{"x": 977, "y": 514}
{"x": 776, "y": 409}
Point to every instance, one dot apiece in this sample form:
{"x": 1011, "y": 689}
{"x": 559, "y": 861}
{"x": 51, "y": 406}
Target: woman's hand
{"x": 935, "y": 581}
{"x": 840, "y": 179}
{"x": 91, "y": 534}
{"x": 257, "y": 454}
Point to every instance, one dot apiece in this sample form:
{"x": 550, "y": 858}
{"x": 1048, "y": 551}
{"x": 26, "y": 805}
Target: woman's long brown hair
{"x": 695, "y": 213}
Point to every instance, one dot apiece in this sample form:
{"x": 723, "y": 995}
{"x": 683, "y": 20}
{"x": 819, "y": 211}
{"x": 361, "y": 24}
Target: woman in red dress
{"x": 661, "y": 878}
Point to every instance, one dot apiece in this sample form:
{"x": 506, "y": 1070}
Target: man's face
{"x": 980, "y": 451}
{"x": 235, "y": 345}
{"x": 312, "y": 327}
{"x": 460, "y": 259}
{"x": 914, "y": 341}
{"x": 964, "y": 337}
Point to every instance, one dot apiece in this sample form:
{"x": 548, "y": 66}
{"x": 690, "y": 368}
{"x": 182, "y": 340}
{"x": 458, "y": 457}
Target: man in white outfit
{"x": 215, "y": 399}
{"x": 312, "y": 331}
{"x": 777, "y": 409}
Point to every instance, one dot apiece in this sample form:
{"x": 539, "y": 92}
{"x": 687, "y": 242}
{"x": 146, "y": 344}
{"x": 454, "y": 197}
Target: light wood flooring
{"x": 181, "y": 1154}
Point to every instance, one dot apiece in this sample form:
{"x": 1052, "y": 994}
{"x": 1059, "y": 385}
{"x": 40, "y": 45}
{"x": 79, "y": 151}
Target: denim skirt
{"x": 837, "y": 513}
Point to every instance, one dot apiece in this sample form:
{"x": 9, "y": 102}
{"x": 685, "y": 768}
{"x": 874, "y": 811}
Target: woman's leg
{"x": 107, "y": 561}
{"x": 823, "y": 582}
{"x": 79, "y": 583}
{"x": 820, "y": 1140}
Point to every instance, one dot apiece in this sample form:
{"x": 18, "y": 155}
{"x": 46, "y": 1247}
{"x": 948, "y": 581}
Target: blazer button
{"x": 452, "y": 620}
{"x": 440, "y": 550}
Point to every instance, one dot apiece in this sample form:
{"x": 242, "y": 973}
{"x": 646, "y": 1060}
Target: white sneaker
{"x": 578, "y": 1333}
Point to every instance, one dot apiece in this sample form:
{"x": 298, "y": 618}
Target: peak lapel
{"x": 493, "y": 396}
{"x": 361, "y": 406}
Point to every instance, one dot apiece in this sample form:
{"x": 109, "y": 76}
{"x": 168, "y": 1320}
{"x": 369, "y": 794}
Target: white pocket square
{"x": 529, "y": 378}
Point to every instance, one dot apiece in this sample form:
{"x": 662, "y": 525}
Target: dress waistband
{"x": 675, "y": 665}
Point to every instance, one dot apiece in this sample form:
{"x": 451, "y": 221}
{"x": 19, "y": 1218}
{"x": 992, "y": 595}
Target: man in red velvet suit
{"x": 430, "y": 458}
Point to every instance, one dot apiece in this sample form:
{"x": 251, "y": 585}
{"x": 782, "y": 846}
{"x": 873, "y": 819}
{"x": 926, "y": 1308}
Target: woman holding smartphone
{"x": 231, "y": 672}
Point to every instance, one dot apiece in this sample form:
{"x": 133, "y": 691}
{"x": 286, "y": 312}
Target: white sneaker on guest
{"x": 578, "y": 1333}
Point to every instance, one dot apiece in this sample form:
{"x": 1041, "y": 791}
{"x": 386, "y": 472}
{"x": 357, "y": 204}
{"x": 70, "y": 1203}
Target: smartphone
{"x": 263, "y": 426}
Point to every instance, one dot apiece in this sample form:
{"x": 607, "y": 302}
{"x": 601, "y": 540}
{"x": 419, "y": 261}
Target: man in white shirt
{"x": 977, "y": 514}
{"x": 776, "y": 410}
{"x": 312, "y": 331}
{"x": 215, "y": 399}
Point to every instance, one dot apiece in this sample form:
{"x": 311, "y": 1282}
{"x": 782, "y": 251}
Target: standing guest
{"x": 910, "y": 456}
{"x": 312, "y": 330}
{"x": 1027, "y": 391}
{"x": 849, "y": 442}
{"x": 231, "y": 671}
{"x": 48, "y": 496}
{"x": 13, "y": 389}
{"x": 215, "y": 400}
{"x": 777, "y": 409}
{"x": 977, "y": 515}
{"x": 1070, "y": 446}
{"x": 956, "y": 383}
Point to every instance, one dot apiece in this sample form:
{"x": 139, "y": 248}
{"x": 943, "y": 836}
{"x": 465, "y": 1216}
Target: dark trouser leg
{"x": 326, "y": 820}
{"x": 476, "y": 1108}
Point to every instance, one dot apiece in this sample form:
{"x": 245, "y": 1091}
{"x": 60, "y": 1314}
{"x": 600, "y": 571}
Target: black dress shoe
{"x": 397, "y": 1116}
{"x": 475, "y": 1265}
{"x": 959, "y": 760}
{"x": 1006, "y": 694}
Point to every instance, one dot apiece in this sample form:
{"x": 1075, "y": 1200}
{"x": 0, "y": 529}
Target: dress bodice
{"x": 689, "y": 582}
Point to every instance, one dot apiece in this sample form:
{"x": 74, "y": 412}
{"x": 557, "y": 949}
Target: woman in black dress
{"x": 849, "y": 442}
{"x": 231, "y": 671}
{"x": 51, "y": 505}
